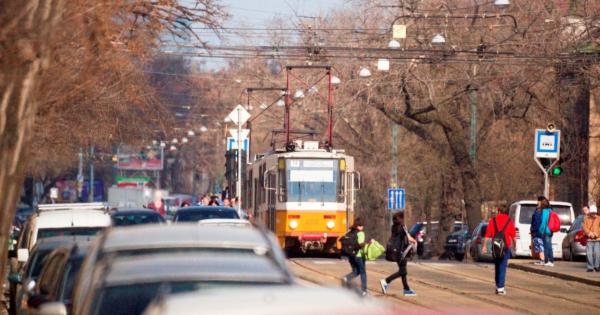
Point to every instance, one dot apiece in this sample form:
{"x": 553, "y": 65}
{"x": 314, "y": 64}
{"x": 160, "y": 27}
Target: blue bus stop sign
{"x": 396, "y": 198}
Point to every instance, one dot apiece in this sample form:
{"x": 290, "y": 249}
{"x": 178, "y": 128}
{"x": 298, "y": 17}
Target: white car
{"x": 521, "y": 213}
{"x": 60, "y": 220}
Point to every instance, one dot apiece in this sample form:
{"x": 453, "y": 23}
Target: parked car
{"x": 475, "y": 244}
{"x": 175, "y": 239}
{"x": 521, "y": 213}
{"x": 199, "y": 213}
{"x": 425, "y": 235}
{"x": 268, "y": 300}
{"x": 57, "y": 278}
{"x": 456, "y": 243}
{"x": 66, "y": 219}
{"x": 127, "y": 285}
{"x": 226, "y": 222}
{"x": 123, "y": 217}
{"x": 23, "y": 280}
{"x": 574, "y": 243}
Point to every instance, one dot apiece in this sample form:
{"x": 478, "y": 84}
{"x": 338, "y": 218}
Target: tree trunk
{"x": 25, "y": 33}
{"x": 459, "y": 147}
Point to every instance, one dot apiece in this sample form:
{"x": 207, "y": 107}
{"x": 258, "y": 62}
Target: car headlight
{"x": 330, "y": 224}
{"x": 293, "y": 224}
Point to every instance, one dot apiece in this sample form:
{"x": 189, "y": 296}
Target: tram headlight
{"x": 330, "y": 224}
{"x": 293, "y": 224}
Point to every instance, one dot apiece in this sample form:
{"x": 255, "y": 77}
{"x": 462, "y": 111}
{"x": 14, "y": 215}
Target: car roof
{"x": 62, "y": 241}
{"x": 226, "y": 222}
{"x": 134, "y": 211}
{"x": 268, "y": 300}
{"x": 555, "y": 203}
{"x": 183, "y": 235}
{"x": 72, "y": 218}
{"x": 235, "y": 267}
{"x": 204, "y": 208}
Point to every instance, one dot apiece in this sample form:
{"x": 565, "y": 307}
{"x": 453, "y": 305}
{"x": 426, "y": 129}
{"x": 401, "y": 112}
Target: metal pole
{"x": 91, "y": 186}
{"x": 249, "y": 126}
{"x": 546, "y": 177}
{"x": 239, "y": 164}
{"x": 80, "y": 173}
{"x": 473, "y": 123}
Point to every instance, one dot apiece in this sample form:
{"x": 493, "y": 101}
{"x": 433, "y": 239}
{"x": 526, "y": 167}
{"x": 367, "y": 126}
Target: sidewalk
{"x": 567, "y": 270}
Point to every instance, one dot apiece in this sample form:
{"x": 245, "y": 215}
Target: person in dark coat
{"x": 400, "y": 231}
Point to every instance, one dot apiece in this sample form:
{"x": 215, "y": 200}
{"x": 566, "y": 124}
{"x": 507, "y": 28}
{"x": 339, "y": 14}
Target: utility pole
{"x": 239, "y": 161}
{"x": 91, "y": 186}
{"x": 80, "y": 174}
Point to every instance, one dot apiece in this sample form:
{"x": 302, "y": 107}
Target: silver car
{"x": 127, "y": 285}
{"x": 476, "y": 242}
{"x": 174, "y": 239}
{"x": 572, "y": 246}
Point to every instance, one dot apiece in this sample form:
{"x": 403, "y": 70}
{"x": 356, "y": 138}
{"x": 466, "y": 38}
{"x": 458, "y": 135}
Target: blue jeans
{"x": 593, "y": 254}
{"x": 548, "y": 254}
{"x": 500, "y": 269}
{"x": 358, "y": 269}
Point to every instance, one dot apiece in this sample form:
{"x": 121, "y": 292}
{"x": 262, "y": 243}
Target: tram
{"x": 304, "y": 191}
{"x": 306, "y": 197}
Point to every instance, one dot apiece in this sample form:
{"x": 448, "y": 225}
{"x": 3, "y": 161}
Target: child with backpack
{"x": 397, "y": 251}
{"x": 501, "y": 231}
{"x": 353, "y": 244}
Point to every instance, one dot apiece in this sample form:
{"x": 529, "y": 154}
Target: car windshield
{"x": 204, "y": 214}
{"x": 86, "y": 231}
{"x": 564, "y": 213}
{"x": 134, "y": 298}
{"x": 36, "y": 263}
{"x": 137, "y": 218}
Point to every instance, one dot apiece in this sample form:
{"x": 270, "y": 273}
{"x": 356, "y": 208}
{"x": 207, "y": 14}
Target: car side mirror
{"x": 52, "y": 308}
{"x": 22, "y": 254}
{"x": 29, "y": 285}
{"x": 15, "y": 277}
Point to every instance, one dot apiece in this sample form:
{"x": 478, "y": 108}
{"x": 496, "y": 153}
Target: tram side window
{"x": 271, "y": 192}
{"x": 341, "y": 186}
{"x": 281, "y": 186}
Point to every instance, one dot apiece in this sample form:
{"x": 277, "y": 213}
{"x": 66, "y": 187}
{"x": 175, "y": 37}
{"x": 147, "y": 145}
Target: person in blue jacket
{"x": 537, "y": 241}
{"x": 544, "y": 231}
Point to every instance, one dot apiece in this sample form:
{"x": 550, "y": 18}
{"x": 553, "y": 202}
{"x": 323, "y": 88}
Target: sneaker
{"x": 500, "y": 291}
{"x": 549, "y": 264}
{"x": 363, "y": 293}
{"x": 597, "y": 269}
{"x": 410, "y": 293}
{"x": 590, "y": 270}
{"x": 539, "y": 263}
{"x": 344, "y": 282}
{"x": 384, "y": 286}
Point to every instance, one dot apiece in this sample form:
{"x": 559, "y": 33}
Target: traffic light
{"x": 557, "y": 170}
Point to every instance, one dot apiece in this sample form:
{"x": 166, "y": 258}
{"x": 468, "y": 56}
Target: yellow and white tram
{"x": 305, "y": 196}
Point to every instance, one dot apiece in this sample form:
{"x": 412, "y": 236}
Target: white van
{"x": 521, "y": 213}
{"x": 85, "y": 219}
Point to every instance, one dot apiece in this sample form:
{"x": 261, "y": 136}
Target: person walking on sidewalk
{"x": 404, "y": 239}
{"x": 501, "y": 231}
{"x": 357, "y": 261}
{"x": 537, "y": 242}
{"x": 591, "y": 228}
{"x": 545, "y": 232}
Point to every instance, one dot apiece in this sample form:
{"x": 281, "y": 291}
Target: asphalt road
{"x": 461, "y": 288}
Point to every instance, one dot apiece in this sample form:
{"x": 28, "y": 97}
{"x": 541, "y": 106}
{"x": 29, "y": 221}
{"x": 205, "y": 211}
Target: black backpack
{"x": 499, "y": 241}
{"x": 349, "y": 241}
{"x": 395, "y": 248}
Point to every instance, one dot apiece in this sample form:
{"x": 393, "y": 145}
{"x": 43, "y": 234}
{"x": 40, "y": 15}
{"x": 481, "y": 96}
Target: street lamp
{"x": 163, "y": 144}
{"x": 173, "y": 148}
{"x": 502, "y": 3}
{"x": 184, "y": 140}
{"x": 438, "y": 39}
{"x": 298, "y": 95}
{"x": 263, "y": 106}
{"x": 203, "y": 129}
{"x": 335, "y": 80}
{"x": 364, "y": 72}
{"x": 191, "y": 133}
{"x": 394, "y": 44}
{"x": 174, "y": 141}
{"x": 154, "y": 142}
{"x": 280, "y": 103}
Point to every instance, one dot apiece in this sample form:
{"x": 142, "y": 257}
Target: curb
{"x": 555, "y": 274}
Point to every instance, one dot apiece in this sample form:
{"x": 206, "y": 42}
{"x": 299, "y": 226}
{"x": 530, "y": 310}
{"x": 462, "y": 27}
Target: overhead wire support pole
{"x": 249, "y": 91}
{"x": 329, "y": 111}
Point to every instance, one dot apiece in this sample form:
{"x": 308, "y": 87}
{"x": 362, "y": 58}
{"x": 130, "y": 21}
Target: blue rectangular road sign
{"x": 547, "y": 144}
{"x": 396, "y": 198}
{"x": 232, "y": 144}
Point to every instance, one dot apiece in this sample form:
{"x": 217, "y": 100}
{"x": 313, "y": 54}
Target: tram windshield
{"x": 312, "y": 180}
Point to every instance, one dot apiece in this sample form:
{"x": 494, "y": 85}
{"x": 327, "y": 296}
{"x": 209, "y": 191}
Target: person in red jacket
{"x": 501, "y": 222}
{"x": 158, "y": 206}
